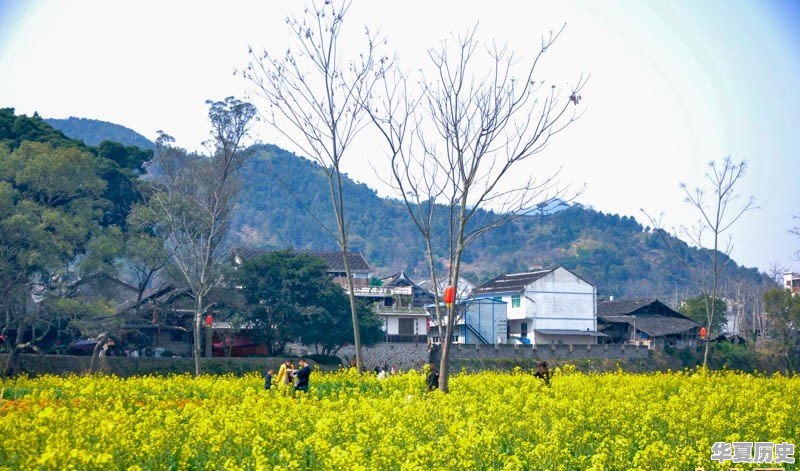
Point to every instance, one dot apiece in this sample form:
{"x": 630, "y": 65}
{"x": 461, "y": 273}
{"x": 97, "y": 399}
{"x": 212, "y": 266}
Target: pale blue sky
{"x": 673, "y": 85}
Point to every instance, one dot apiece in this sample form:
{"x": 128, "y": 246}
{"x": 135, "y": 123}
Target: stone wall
{"x": 35, "y": 365}
{"x": 546, "y": 352}
{"x": 403, "y": 356}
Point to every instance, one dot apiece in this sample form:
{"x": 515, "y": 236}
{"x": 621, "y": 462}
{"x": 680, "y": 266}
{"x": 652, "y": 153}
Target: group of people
{"x": 288, "y": 374}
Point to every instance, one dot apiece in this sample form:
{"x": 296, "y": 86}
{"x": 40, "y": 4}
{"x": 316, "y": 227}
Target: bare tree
{"x": 796, "y": 231}
{"x": 718, "y": 210}
{"x": 195, "y": 199}
{"x": 469, "y": 130}
{"x": 314, "y": 98}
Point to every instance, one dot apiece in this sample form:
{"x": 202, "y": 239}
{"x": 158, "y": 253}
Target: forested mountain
{"x": 618, "y": 254}
{"x": 92, "y": 132}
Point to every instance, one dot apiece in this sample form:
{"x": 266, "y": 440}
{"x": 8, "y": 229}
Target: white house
{"x": 544, "y": 307}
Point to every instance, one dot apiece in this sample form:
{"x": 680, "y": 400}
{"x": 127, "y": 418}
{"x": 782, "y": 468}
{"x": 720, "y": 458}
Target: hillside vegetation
{"x": 616, "y": 253}
{"x": 93, "y": 131}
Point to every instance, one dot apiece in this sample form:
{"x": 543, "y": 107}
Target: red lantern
{"x": 703, "y": 332}
{"x": 449, "y": 295}
{"x": 209, "y": 321}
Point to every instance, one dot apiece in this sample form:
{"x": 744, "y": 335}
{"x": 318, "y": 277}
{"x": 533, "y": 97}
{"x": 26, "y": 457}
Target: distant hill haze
{"x": 620, "y": 256}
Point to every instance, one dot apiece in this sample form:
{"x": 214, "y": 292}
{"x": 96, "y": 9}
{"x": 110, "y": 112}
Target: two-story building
{"x": 399, "y": 302}
{"x": 553, "y": 306}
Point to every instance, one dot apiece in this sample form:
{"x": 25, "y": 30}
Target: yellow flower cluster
{"x": 512, "y": 421}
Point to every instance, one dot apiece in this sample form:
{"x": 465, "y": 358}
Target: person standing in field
{"x": 542, "y": 372}
{"x": 284, "y": 374}
{"x": 302, "y": 376}
{"x": 268, "y": 379}
{"x": 432, "y": 379}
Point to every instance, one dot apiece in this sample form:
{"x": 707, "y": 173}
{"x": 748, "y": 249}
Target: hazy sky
{"x": 673, "y": 85}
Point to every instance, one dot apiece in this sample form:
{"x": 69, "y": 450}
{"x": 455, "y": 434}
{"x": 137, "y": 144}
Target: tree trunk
{"x": 198, "y": 318}
{"x": 353, "y": 308}
{"x": 12, "y": 363}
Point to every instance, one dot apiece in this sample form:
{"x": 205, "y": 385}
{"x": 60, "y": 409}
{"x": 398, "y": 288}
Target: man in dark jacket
{"x": 302, "y": 376}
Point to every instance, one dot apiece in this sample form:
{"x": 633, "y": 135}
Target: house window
{"x": 498, "y": 299}
{"x": 406, "y": 326}
{"x": 435, "y": 339}
{"x": 515, "y": 301}
{"x": 523, "y": 329}
{"x": 454, "y": 339}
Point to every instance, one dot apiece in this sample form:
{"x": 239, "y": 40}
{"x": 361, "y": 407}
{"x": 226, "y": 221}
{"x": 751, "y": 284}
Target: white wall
{"x": 561, "y": 300}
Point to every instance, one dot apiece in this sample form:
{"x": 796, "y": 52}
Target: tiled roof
{"x": 333, "y": 260}
{"x": 511, "y": 282}
{"x": 638, "y": 307}
{"x": 654, "y": 326}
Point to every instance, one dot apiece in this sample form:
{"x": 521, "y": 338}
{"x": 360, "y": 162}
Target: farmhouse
{"x": 553, "y": 306}
{"x": 646, "y": 322}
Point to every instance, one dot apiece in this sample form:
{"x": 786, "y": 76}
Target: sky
{"x": 673, "y": 86}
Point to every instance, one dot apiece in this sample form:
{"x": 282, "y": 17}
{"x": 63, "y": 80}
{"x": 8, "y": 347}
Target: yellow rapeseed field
{"x": 610, "y": 421}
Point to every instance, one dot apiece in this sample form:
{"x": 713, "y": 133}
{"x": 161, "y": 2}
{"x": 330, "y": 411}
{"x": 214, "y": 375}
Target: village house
{"x": 646, "y": 322}
{"x": 544, "y": 307}
{"x": 399, "y": 302}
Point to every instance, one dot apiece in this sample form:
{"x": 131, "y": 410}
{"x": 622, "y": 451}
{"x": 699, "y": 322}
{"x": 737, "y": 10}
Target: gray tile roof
{"x": 511, "y": 282}
{"x": 653, "y": 326}
{"x": 639, "y": 307}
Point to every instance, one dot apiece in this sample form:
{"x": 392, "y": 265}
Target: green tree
{"x": 290, "y": 296}
{"x": 49, "y": 211}
{"x": 696, "y": 309}
{"x": 783, "y": 314}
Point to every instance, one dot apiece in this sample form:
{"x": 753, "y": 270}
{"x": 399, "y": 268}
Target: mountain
{"x": 285, "y": 201}
{"x": 93, "y": 132}
{"x": 616, "y": 253}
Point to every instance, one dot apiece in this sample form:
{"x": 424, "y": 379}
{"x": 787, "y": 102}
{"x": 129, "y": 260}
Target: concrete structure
{"x": 544, "y": 307}
{"x": 479, "y": 321}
